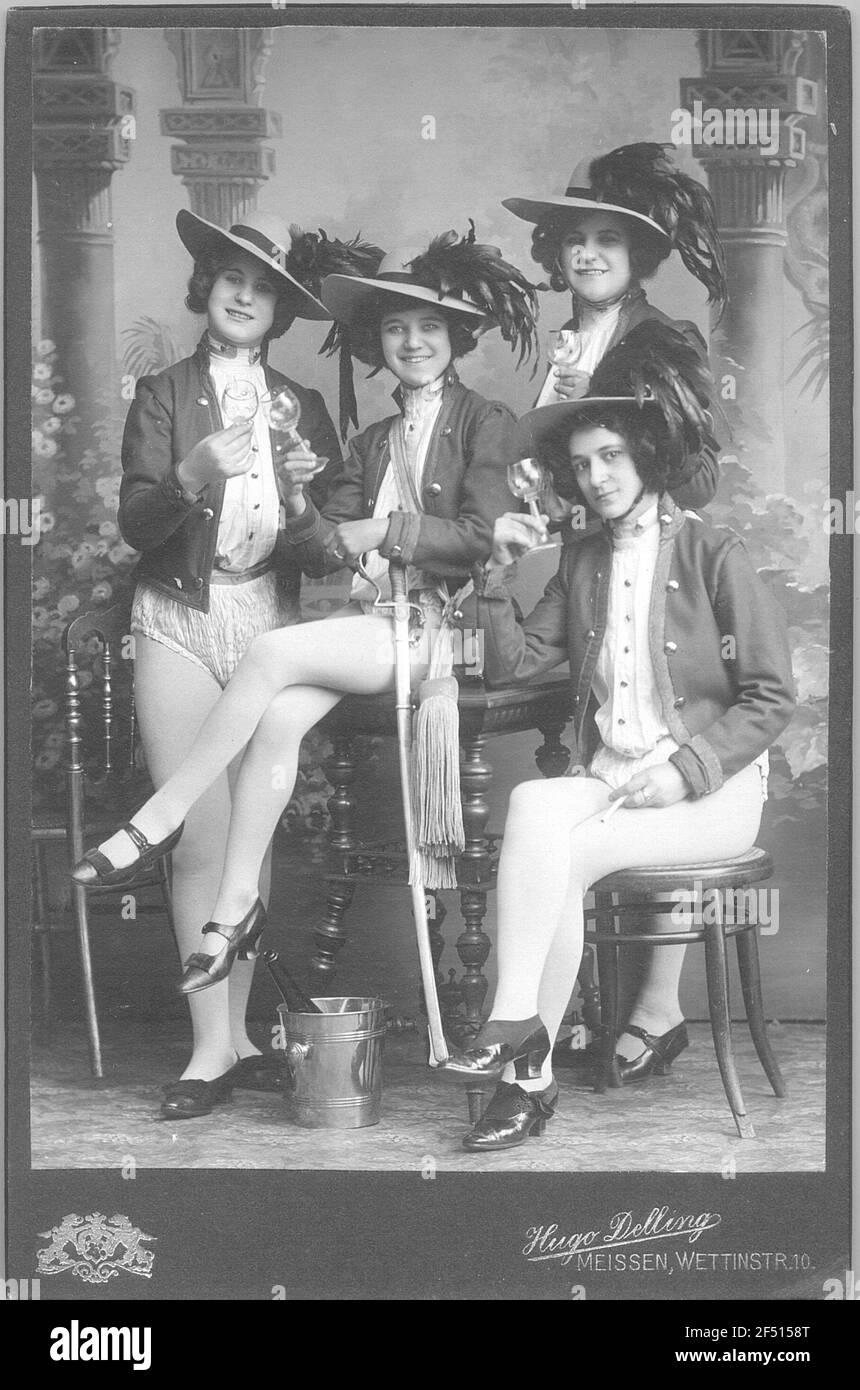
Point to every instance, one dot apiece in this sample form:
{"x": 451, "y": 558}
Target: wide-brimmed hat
{"x": 640, "y": 183}
{"x": 465, "y": 277}
{"x": 579, "y": 193}
{"x": 537, "y": 426}
{"x": 261, "y": 235}
{"x": 346, "y": 295}
{"x": 654, "y": 368}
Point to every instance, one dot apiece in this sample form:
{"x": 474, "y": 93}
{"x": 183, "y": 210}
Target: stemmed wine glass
{"x": 565, "y": 347}
{"x": 283, "y": 412}
{"x": 527, "y": 479}
{"x": 239, "y": 400}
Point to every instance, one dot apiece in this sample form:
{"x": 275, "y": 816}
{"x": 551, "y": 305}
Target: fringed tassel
{"x": 439, "y": 833}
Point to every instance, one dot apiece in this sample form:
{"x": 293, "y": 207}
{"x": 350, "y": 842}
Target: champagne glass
{"x": 283, "y": 412}
{"x": 527, "y": 479}
{"x": 565, "y": 347}
{"x": 239, "y": 400}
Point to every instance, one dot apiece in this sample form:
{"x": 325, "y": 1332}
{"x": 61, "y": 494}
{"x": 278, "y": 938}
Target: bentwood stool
{"x": 716, "y": 894}
{"x": 484, "y": 714}
{"x": 104, "y": 785}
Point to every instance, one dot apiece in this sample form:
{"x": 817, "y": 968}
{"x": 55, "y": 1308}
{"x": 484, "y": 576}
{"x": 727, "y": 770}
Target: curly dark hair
{"x": 365, "y": 330}
{"x": 647, "y": 248}
{"x": 209, "y": 265}
{"x": 643, "y": 429}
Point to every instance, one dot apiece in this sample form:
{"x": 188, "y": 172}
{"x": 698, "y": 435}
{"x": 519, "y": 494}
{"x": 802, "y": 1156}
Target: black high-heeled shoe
{"x": 201, "y": 971}
{"x": 185, "y": 1100}
{"x": 96, "y": 870}
{"x": 657, "y": 1056}
{"x": 523, "y": 1041}
{"x": 512, "y": 1116}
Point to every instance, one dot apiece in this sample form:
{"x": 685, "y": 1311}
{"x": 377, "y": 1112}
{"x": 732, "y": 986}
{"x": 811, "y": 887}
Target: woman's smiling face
{"x": 241, "y": 307}
{"x": 416, "y": 344}
{"x": 594, "y": 257}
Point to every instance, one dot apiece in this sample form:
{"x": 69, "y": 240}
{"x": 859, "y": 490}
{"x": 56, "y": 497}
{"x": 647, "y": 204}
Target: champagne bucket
{"x": 334, "y": 1062}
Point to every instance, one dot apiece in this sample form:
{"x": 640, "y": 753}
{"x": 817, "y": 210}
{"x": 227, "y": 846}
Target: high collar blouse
{"x": 629, "y": 718}
{"x": 248, "y": 527}
{"x": 419, "y": 411}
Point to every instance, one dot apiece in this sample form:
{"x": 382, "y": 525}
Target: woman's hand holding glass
{"x": 282, "y": 413}
{"x": 514, "y": 534}
{"x": 295, "y": 470}
{"x": 527, "y": 480}
{"x": 661, "y": 785}
{"x": 571, "y": 383}
{"x": 564, "y": 353}
{"x": 221, "y": 455}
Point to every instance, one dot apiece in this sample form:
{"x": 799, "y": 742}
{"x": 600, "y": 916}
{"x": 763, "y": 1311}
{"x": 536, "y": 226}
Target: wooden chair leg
{"x": 718, "y": 1004}
{"x": 589, "y": 992}
{"x": 42, "y": 931}
{"x": 607, "y": 968}
{"x": 82, "y": 921}
{"x": 750, "y": 973}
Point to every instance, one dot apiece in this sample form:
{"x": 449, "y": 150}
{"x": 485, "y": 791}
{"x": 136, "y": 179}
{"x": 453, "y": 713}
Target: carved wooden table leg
{"x": 553, "y": 756}
{"x": 330, "y": 934}
{"x": 473, "y": 944}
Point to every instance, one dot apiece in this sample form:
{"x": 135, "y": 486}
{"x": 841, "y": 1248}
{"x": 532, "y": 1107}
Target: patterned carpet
{"x": 677, "y": 1123}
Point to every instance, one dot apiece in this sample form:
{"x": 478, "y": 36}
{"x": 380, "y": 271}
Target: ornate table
{"x": 484, "y": 714}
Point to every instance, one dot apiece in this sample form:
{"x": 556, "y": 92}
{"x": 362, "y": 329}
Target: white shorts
{"x": 217, "y": 640}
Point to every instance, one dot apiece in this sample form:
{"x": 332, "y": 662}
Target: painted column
{"x": 83, "y": 132}
{"x": 223, "y": 160}
{"x": 745, "y": 113}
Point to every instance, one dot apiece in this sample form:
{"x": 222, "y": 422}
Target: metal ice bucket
{"x": 334, "y": 1062}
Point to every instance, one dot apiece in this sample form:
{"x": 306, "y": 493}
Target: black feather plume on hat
{"x": 313, "y": 256}
{"x": 643, "y": 177}
{"x": 462, "y": 267}
{"x": 661, "y": 368}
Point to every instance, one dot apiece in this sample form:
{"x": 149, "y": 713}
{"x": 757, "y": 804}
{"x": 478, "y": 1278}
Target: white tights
{"x": 549, "y": 860}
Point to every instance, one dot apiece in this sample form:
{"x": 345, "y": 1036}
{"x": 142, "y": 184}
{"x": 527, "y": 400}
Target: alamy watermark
{"x": 21, "y": 517}
{"x": 712, "y": 125}
{"x": 702, "y": 907}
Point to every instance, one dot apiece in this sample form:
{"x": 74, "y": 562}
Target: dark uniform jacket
{"x": 717, "y": 639}
{"x": 175, "y": 532}
{"x": 464, "y": 489}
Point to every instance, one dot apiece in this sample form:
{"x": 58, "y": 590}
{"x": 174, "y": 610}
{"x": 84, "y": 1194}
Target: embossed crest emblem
{"x": 95, "y": 1248}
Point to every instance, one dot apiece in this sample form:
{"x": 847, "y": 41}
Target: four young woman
{"x": 427, "y": 486}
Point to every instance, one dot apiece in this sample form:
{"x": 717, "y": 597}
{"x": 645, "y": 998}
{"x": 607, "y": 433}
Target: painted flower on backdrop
{"x": 77, "y": 478}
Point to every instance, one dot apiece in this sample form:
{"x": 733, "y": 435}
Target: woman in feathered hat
{"x": 200, "y": 499}
{"x": 664, "y": 723}
{"x": 424, "y": 486}
{"x": 620, "y": 217}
